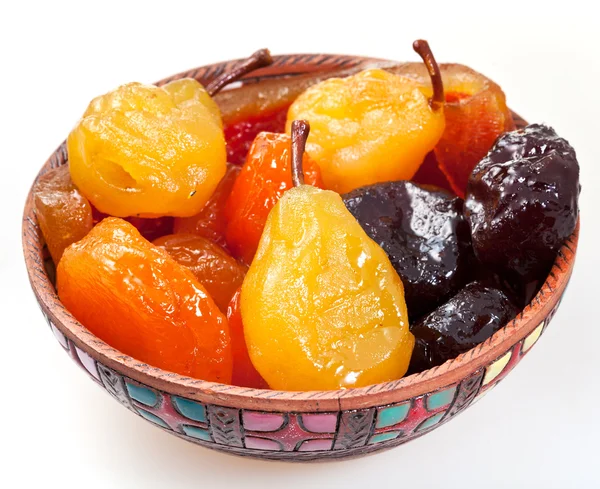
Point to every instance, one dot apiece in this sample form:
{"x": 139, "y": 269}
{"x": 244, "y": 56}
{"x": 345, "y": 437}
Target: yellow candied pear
{"x": 149, "y": 151}
{"x": 322, "y": 306}
{"x": 372, "y": 127}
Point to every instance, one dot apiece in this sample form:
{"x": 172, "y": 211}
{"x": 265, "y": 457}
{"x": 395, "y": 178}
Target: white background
{"x": 539, "y": 429}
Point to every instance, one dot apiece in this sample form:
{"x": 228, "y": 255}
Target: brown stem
{"x": 300, "y": 130}
{"x": 259, "y": 59}
{"x": 422, "y": 48}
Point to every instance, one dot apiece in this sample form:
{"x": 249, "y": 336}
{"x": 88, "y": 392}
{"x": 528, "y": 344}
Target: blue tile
{"x": 152, "y": 418}
{"x": 392, "y": 415}
{"x": 190, "y": 409}
{"x": 142, "y": 394}
{"x": 441, "y": 398}
{"x": 390, "y": 435}
{"x": 196, "y": 432}
{"x": 429, "y": 422}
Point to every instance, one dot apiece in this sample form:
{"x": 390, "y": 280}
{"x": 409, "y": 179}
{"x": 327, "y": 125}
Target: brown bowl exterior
{"x": 293, "y": 425}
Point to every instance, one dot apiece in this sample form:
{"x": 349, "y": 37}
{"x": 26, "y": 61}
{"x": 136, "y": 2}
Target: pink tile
{"x": 320, "y": 423}
{"x": 262, "y": 444}
{"x": 59, "y": 336}
{"x": 88, "y": 363}
{"x": 254, "y": 421}
{"x": 316, "y": 445}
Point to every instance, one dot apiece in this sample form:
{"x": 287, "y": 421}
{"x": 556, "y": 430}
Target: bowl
{"x": 293, "y": 425}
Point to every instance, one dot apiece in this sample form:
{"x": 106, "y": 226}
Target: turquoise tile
{"x": 439, "y": 399}
{"x": 428, "y": 423}
{"x": 390, "y": 435}
{"x": 152, "y": 418}
{"x": 392, "y": 415}
{"x": 190, "y": 409}
{"x": 196, "y": 432}
{"x": 142, "y": 394}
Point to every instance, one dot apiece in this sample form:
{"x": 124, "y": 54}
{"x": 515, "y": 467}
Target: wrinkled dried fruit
{"x": 521, "y": 202}
{"x": 371, "y": 127}
{"x": 466, "y": 320}
{"x": 139, "y": 300}
{"x": 218, "y": 272}
{"x": 149, "y": 151}
{"x": 63, "y": 214}
{"x": 424, "y": 234}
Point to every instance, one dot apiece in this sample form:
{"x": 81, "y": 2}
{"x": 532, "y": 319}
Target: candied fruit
{"x": 218, "y": 272}
{"x": 322, "y": 306}
{"x": 363, "y": 128}
{"x": 522, "y": 202}
{"x": 139, "y": 300}
{"x": 476, "y": 114}
{"x": 466, "y": 320}
{"x": 63, "y": 214}
{"x": 149, "y": 151}
{"x": 424, "y": 233}
{"x": 264, "y": 178}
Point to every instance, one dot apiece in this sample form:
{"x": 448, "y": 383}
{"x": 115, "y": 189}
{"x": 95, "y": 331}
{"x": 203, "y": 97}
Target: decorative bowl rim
{"x": 287, "y": 401}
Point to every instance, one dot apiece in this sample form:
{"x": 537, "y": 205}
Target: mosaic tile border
{"x": 301, "y": 436}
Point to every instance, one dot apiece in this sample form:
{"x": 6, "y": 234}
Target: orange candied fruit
{"x": 218, "y": 272}
{"x": 64, "y": 215}
{"x": 135, "y": 297}
{"x": 264, "y": 178}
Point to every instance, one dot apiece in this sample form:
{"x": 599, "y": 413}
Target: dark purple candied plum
{"x": 424, "y": 233}
{"x": 467, "y": 319}
{"x": 521, "y": 203}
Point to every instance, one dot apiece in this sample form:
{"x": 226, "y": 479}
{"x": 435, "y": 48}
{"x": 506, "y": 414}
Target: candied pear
{"x": 322, "y": 306}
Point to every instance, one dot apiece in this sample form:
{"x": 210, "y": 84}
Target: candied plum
{"x": 521, "y": 203}
{"x": 424, "y": 233}
{"x": 467, "y": 319}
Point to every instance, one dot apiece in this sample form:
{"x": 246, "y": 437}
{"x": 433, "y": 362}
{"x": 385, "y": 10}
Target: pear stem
{"x": 259, "y": 59}
{"x": 422, "y": 48}
{"x": 300, "y": 130}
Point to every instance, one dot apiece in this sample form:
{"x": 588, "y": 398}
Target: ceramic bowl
{"x": 293, "y": 425}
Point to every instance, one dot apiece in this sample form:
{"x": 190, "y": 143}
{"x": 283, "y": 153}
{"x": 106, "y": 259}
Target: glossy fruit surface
{"x": 363, "y": 128}
{"x": 264, "y": 178}
{"x": 149, "y": 151}
{"x": 210, "y": 222}
{"x": 64, "y": 215}
{"x": 423, "y": 232}
{"x": 218, "y": 272}
{"x": 240, "y": 135}
{"x": 476, "y": 114}
{"x": 244, "y": 373}
{"x": 522, "y": 202}
{"x": 466, "y": 320}
{"x": 322, "y": 306}
{"x": 139, "y": 300}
